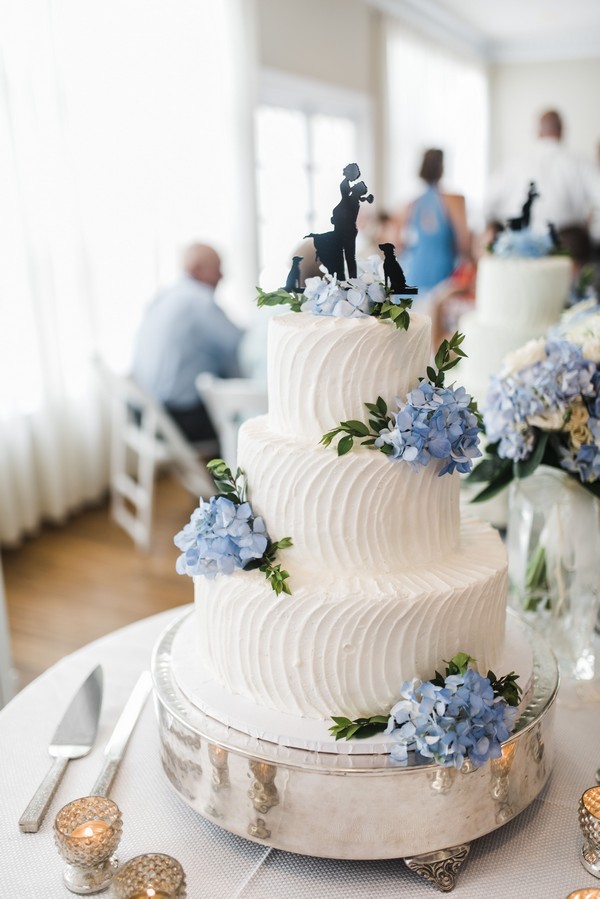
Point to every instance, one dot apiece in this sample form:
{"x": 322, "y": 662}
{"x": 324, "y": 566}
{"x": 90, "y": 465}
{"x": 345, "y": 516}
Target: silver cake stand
{"x": 352, "y": 806}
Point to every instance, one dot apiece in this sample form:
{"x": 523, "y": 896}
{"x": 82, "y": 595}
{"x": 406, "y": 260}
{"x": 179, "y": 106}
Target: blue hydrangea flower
{"x": 353, "y": 298}
{"x": 434, "y": 422}
{"x": 450, "y": 724}
{"x": 321, "y": 295}
{"x": 220, "y": 537}
{"x": 523, "y": 244}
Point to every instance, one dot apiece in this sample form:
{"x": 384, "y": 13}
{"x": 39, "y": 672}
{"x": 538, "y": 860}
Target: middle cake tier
{"x": 359, "y": 512}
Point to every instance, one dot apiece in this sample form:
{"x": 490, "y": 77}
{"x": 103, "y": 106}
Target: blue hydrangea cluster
{"x": 524, "y": 244}
{"x": 434, "y": 423}
{"x": 540, "y": 396}
{"x": 220, "y": 537}
{"x": 463, "y": 720}
{"x": 354, "y": 298}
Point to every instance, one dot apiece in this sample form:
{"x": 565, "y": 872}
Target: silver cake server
{"x": 73, "y": 739}
{"x": 117, "y": 744}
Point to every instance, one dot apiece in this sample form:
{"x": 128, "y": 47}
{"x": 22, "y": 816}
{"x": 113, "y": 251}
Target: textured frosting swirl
{"x": 361, "y": 512}
{"x": 344, "y": 646}
{"x": 322, "y": 369}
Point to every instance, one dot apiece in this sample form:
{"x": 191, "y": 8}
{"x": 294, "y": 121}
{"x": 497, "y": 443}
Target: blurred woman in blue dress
{"x": 434, "y": 229}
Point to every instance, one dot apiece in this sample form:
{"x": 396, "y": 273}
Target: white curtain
{"x": 126, "y": 132}
{"x": 434, "y": 98}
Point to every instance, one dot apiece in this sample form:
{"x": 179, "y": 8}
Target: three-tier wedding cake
{"x": 386, "y": 580}
{"x": 333, "y": 571}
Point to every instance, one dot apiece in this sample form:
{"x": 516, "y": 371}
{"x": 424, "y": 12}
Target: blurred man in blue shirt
{"x": 183, "y": 333}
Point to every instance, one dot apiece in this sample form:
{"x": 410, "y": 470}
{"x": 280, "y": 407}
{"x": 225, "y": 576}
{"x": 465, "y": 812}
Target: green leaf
{"x": 382, "y": 406}
{"x": 461, "y": 662}
{"x": 489, "y": 469}
{"x": 278, "y": 298}
{"x": 284, "y": 543}
{"x": 344, "y": 722}
{"x": 345, "y": 445}
{"x": 359, "y": 728}
{"x": 329, "y": 436}
{"x": 492, "y": 489}
{"x": 359, "y": 428}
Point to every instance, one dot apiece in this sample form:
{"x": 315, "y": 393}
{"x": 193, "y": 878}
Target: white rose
{"x": 533, "y": 351}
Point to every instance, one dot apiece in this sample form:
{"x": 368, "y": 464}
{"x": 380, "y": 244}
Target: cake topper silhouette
{"x": 523, "y": 221}
{"x": 393, "y": 274}
{"x": 336, "y": 249}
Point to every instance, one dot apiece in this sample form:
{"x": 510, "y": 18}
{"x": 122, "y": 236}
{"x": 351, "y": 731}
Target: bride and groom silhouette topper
{"x": 336, "y": 249}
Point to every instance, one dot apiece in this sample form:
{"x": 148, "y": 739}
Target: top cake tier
{"x": 322, "y": 369}
{"x": 522, "y": 293}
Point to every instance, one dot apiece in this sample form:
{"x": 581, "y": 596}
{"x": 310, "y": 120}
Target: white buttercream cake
{"x": 386, "y": 581}
{"x": 516, "y": 300}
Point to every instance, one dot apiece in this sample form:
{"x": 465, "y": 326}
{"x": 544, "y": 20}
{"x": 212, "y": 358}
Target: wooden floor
{"x": 72, "y": 584}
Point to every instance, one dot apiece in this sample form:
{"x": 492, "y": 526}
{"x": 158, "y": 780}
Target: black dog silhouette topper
{"x": 392, "y": 272}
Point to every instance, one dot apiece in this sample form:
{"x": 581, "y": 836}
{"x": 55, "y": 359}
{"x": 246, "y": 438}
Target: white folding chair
{"x": 229, "y": 402}
{"x": 143, "y": 437}
{"x": 8, "y": 676}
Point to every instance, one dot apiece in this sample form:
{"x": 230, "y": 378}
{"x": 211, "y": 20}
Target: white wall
{"x": 327, "y": 40}
{"x": 519, "y": 92}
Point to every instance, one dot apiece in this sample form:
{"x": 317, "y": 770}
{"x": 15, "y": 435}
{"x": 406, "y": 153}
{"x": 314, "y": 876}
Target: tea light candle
{"x": 89, "y": 829}
{"x": 153, "y": 876}
{"x": 87, "y": 832}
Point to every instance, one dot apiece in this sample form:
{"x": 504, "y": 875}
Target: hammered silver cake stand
{"x": 352, "y": 806}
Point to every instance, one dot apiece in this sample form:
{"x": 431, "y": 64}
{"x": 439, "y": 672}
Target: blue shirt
{"x": 183, "y": 333}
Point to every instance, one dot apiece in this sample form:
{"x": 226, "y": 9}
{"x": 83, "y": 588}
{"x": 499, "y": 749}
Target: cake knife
{"x": 117, "y": 744}
{"x": 74, "y": 737}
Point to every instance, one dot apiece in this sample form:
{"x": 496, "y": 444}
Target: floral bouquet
{"x": 544, "y": 408}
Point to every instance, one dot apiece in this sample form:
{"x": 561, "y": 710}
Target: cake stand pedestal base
{"x": 353, "y": 805}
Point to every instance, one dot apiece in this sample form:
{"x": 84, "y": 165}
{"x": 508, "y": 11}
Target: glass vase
{"x": 553, "y": 543}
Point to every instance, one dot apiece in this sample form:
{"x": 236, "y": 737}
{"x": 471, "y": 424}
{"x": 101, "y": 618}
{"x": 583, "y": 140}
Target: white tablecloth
{"x": 534, "y": 856}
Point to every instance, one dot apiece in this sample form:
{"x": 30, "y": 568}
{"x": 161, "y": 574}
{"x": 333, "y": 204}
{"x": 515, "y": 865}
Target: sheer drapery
{"x": 126, "y": 132}
{"x": 434, "y": 98}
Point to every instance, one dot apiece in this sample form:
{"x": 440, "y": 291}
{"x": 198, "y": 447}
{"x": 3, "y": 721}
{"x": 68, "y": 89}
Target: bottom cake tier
{"x": 344, "y": 647}
{"x": 357, "y": 806}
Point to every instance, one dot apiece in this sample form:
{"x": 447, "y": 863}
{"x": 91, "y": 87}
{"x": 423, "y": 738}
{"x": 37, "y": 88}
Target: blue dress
{"x": 430, "y": 254}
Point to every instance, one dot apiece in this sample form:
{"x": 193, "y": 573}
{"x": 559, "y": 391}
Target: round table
{"x": 535, "y": 856}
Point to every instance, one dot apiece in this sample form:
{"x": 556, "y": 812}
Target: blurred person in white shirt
{"x": 568, "y": 186}
{"x": 183, "y": 333}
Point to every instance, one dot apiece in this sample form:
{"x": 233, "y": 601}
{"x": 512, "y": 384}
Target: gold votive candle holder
{"x": 152, "y": 876}
{"x": 585, "y": 893}
{"x": 87, "y": 832}
{"x": 589, "y": 822}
